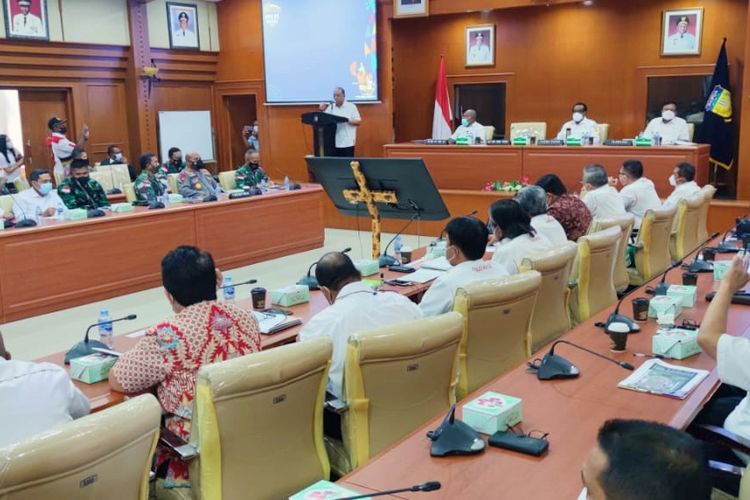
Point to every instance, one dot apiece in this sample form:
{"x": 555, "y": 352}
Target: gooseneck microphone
{"x": 94, "y": 211}
{"x": 25, "y": 222}
{"x": 424, "y": 487}
{"x": 616, "y": 317}
{"x": 311, "y": 281}
{"x": 552, "y": 366}
{"x": 248, "y": 282}
{"x": 385, "y": 259}
{"x": 663, "y": 286}
{"x": 701, "y": 266}
{"x": 86, "y": 346}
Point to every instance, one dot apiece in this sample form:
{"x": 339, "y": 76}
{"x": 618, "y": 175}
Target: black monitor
{"x": 407, "y": 177}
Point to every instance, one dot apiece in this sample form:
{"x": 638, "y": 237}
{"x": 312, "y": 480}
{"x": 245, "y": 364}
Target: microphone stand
{"x": 86, "y": 346}
{"x": 662, "y": 287}
{"x": 25, "y": 222}
{"x": 386, "y": 260}
{"x": 616, "y": 317}
{"x": 248, "y": 282}
{"x": 701, "y": 266}
{"x": 725, "y": 247}
{"x": 623, "y": 364}
{"x": 425, "y": 487}
{"x": 553, "y": 366}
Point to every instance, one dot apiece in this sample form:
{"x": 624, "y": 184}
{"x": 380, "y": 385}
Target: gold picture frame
{"x": 411, "y": 8}
{"x": 682, "y": 32}
{"x": 480, "y": 45}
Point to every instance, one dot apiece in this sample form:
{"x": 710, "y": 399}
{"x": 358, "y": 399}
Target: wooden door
{"x": 240, "y": 111}
{"x": 37, "y": 107}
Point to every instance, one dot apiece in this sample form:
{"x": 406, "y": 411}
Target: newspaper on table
{"x": 657, "y": 377}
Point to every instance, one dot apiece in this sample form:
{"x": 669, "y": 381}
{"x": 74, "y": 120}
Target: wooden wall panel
{"x": 558, "y": 55}
{"x": 108, "y": 125}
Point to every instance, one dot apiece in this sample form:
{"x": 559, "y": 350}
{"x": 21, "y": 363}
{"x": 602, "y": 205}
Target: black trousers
{"x": 344, "y": 152}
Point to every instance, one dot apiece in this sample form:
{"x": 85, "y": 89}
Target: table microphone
{"x": 701, "y": 266}
{"x": 248, "y": 282}
{"x": 386, "y": 260}
{"x": 25, "y": 222}
{"x": 725, "y": 247}
{"x": 552, "y": 366}
{"x": 616, "y": 317}
{"x": 311, "y": 281}
{"x": 662, "y": 287}
{"x": 94, "y": 211}
{"x": 425, "y": 487}
{"x": 85, "y": 347}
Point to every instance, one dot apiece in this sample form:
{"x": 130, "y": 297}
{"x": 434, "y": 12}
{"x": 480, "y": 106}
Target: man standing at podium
{"x": 346, "y": 132}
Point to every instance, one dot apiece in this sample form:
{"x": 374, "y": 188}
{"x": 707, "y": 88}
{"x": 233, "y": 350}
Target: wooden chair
{"x": 626, "y": 223}
{"x": 709, "y": 192}
{"x": 593, "y": 288}
{"x": 652, "y": 246}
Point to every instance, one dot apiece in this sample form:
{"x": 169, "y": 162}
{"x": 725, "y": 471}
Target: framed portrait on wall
{"x": 682, "y": 32}
{"x": 183, "y": 26}
{"x": 411, "y": 8}
{"x": 26, "y": 19}
{"x": 480, "y": 45}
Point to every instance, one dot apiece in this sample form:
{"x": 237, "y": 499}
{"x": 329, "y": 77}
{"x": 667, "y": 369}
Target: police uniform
{"x": 89, "y": 196}
{"x": 197, "y": 184}
{"x": 148, "y": 187}
{"x": 249, "y": 175}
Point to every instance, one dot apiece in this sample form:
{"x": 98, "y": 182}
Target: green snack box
{"x": 92, "y": 368}
{"x": 75, "y": 214}
{"x": 720, "y": 269}
{"x": 324, "y": 490}
{"x": 492, "y": 412}
{"x": 122, "y": 207}
{"x": 520, "y": 141}
{"x": 367, "y": 267}
{"x": 643, "y": 142}
{"x": 462, "y": 141}
{"x": 664, "y": 304}
{"x": 291, "y": 295}
{"x": 676, "y": 343}
{"x": 175, "y": 198}
{"x": 570, "y": 141}
{"x": 686, "y": 293}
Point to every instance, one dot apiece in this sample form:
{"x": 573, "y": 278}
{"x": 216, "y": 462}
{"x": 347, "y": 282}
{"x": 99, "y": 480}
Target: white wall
{"x": 10, "y": 118}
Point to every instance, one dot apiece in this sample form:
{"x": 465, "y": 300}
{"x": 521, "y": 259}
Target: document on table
{"x": 421, "y": 276}
{"x": 657, "y": 377}
{"x": 273, "y": 323}
{"x": 439, "y": 264}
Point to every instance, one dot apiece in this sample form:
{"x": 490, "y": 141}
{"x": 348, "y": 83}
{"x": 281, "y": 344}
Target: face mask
{"x": 45, "y": 188}
{"x": 83, "y": 181}
{"x": 464, "y": 122}
{"x": 577, "y": 117}
{"x": 199, "y": 164}
{"x": 177, "y": 161}
{"x": 63, "y": 130}
{"x": 255, "y": 129}
{"x": 672, "y": 180}
{"x": 667, "y": 115}
{"x": 118, "y": 157}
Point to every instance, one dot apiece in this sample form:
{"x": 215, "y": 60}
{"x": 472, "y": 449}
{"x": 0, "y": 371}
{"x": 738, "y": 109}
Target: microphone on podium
{"x": 424, "y": 487}
{"x": 86, "y": 346}
{"x": 311, "y": 281}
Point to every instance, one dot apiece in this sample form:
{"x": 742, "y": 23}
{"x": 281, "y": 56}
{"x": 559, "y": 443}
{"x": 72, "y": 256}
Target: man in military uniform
{"x": 250, "y": 173}
{"x": 81, "y": 191}
{"x": 147, "y": 186}
{"x": 175, "y": 165}
{"x": 195, "y": 182}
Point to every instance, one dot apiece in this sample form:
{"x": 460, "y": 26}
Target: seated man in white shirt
{"x": 580, "y": 126}
{"x": 511, "y": 227}
{"x": 533, "y": 201}
{"x": 683, "y": 180}
{"x": 355, "y": 307}
{"x": 602, "y": 200}
{"x": 42, "y": 197}
{"x": 466, "y": 245}
{"x": 639, "y": 460}
{"x": 470, "y": 128}
{"x": 638, "y": 193}
{"x": 670, "y": 127}
{"x": 35, "y": 397}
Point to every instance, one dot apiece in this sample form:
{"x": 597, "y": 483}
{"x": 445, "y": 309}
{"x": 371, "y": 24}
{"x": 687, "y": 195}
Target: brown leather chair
{"x": 685, "y": 236}
{"x": 708, "y": 192}
{"x": 258, "y": 423}
{"x": 104, "y": 455}
{"x": 552, "y": 320}
{"x": 626, "y": 223}
{"x": 396, "y": 378}
{"x": 652, "y": 246}
{"x": 497, "y": 315}
{"x": 593, "y": 285}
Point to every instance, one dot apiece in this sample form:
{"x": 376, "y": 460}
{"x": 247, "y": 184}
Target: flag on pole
{"x": 718, "y": 124}
{"x": 442, "y": 119}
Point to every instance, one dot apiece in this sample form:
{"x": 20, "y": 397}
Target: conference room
{"x": 355, "y": 248}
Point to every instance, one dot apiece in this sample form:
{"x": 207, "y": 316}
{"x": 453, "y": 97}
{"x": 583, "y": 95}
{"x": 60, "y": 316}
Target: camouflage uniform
{"x": 74, "y": 196}
{"x": 148, "y": 187}
{"x": 249, "y": 175}
{"x": 171, "y": 168}
{"x": 197, "y": 184}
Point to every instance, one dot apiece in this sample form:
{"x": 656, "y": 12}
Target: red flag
{"x": 442, "y": 119}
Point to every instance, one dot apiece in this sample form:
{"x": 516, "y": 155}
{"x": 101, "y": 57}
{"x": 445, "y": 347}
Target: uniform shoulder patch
{"x": 65, "y": 189}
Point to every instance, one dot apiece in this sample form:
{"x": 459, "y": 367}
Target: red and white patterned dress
{"x": 169, "y": 356}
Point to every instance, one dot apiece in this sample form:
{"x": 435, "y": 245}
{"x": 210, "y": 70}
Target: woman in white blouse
{"x": 11, "y": 165}
{"x": 511, "y": 228}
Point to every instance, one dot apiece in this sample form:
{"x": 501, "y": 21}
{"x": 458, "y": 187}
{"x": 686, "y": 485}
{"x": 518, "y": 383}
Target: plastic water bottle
{"x": 60, "y": 210}
{"x": 397, "y": 246}
{"x": 656, "y": 140}
{"x": 228, "y": 289}
{"x": 105, "y": 330}
{"x": 165, "y": 198}
{"x": 286, "y": 183}
{"x": 264, "y": 185}
{"x": 585, "y": 138}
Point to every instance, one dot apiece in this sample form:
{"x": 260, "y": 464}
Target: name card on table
{"x": 550, "y": 142}
{"x": 619, "y": 142}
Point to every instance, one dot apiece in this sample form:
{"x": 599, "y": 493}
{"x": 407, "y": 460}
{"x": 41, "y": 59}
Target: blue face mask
{"x": 45, "y": 188}
{"x": 464, "y": 122}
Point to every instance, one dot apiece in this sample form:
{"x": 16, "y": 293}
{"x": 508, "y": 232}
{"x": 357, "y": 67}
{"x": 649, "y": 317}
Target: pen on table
{"x": 644, "y": 355}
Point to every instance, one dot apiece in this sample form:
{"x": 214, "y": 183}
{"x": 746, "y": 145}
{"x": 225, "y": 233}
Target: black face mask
{"x": 82, "y": 181}
{"x": 199, "y": 164}
{"x": 63, "y": 130}
{"x": 177, "y": 161}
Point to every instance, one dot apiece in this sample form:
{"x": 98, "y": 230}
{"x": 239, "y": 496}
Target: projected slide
{"x": 313, "y": 46}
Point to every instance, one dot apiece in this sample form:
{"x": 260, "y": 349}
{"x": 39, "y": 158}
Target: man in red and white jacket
{"x": 62, "y": 147}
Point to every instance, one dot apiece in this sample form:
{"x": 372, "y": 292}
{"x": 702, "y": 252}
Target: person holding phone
{"x": 11, "y": 165}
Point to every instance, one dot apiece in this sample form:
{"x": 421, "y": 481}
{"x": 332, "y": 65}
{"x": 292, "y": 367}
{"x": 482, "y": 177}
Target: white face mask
{"x": 668, "y": 115}
{"x": 577, "y": 117}
{"x": 672, "y": 180}
{"x": 118, "y": 157}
